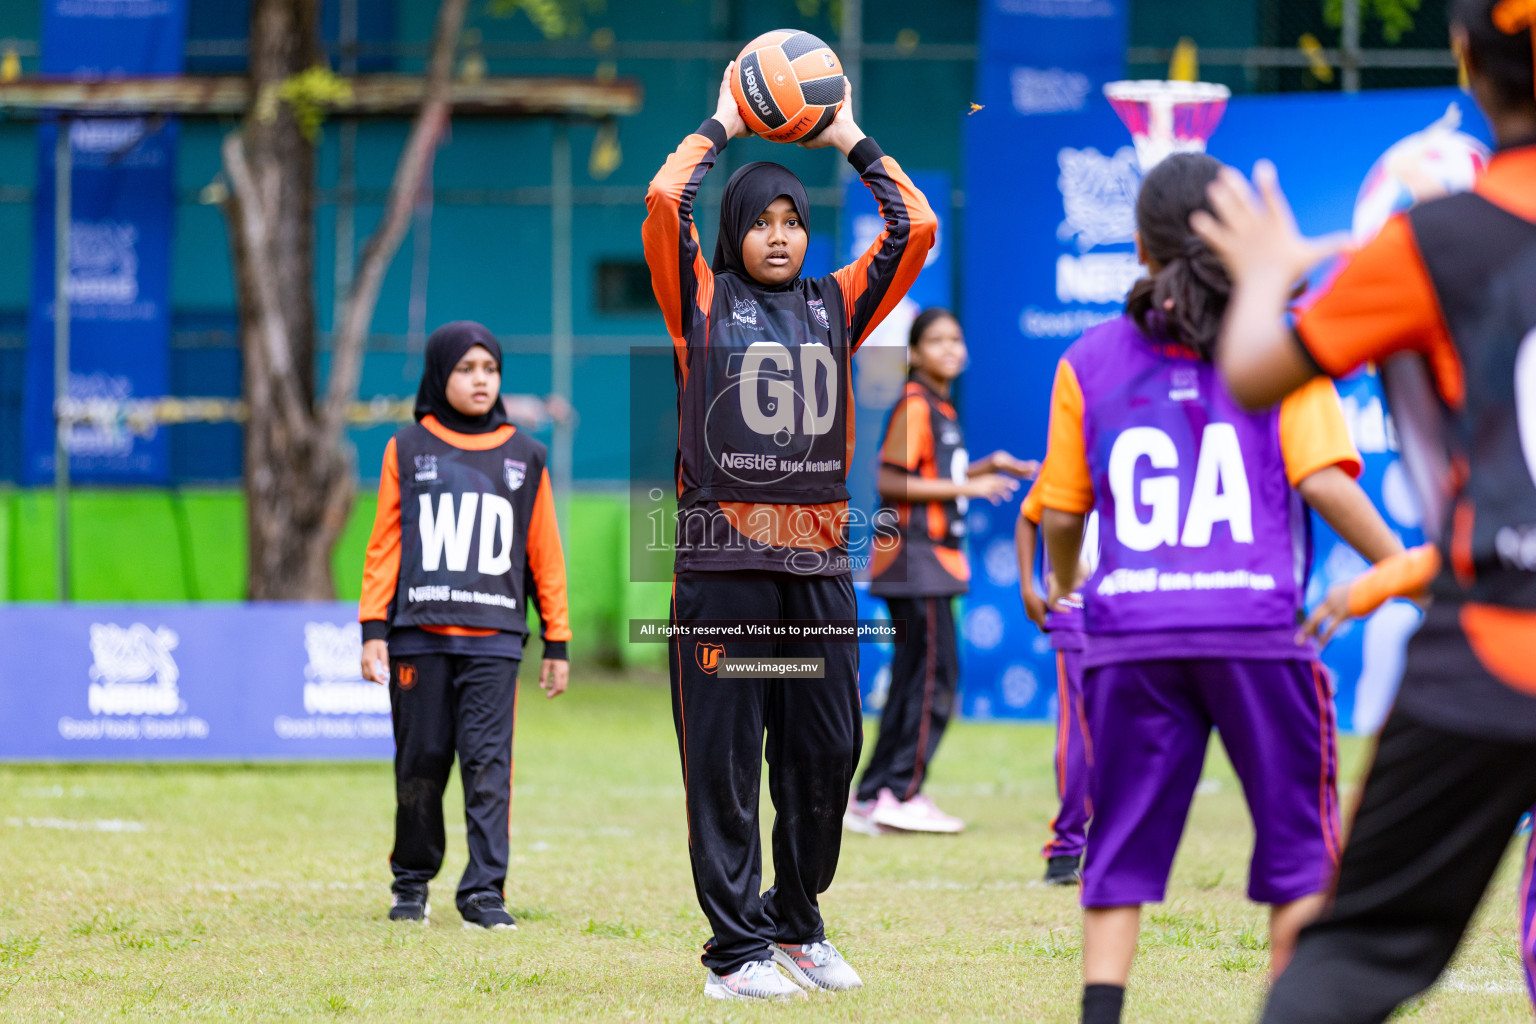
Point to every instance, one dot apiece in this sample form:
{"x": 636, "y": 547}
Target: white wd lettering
{"x": 495, "y": 522}
{"x": 444, "y": 535}
{"x": 1219, "y": 494}
{"x": 770, "y": 362}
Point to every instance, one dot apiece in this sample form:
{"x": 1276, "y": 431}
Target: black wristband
{"x": 865, "y": 153}
{"x": 714, "y": 131}
{"x": 375, "y": 629}
{"x": 554, "y": 650}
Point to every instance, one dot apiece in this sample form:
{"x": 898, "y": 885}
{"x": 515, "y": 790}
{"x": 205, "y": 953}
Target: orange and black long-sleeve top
{"x": 465, "y": 532}
{"x": 764, "y": 374}
{"x": 1441, "y": 299}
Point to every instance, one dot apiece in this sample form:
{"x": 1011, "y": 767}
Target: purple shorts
{"x": 1150, "y": 722}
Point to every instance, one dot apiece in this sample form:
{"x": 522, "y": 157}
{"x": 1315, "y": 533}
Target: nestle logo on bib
{"x": 744, "y": 311}
{"x": 426, "y": 467}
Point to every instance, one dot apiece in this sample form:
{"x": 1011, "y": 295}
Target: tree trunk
{"x": 299, "y": 473}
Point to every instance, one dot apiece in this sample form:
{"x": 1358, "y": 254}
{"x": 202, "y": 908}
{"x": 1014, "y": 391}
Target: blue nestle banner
{"x": 1053, "y": 255}
{"x": 113, "y": 38}
{"x": 212, "y": 682}
{"x": 1050, "y": 176}
{"x": 880, "y": 373}
{"x": 121, "y": 217}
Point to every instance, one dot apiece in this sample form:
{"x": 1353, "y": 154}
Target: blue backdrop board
{"x": 208, "y": 682}
{"x": 123, "y": 192}
{"x": 1050, "y": 184}
{"x": 880, "y": 372}
{"x": 1059, "y": 196}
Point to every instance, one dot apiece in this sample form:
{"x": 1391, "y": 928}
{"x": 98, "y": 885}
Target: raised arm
{"x": 680, "y": 276}
{"x": 873, "y": 284}
{"x": 1381, "y": 302}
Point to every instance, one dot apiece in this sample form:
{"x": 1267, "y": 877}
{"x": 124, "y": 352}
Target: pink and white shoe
{"x": 859, "y": 816}
{"x": 919, "y": 814}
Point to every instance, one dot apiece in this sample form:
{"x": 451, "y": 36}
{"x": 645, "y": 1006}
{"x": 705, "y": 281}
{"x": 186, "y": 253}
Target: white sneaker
{"x": 920, "y": 814}
{"x": 859, "y": 816}
{"x": 754, "y": 980}
{"x": 817, "y": 965}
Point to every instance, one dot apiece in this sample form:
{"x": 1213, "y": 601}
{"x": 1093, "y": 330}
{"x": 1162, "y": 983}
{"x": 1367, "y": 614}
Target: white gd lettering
{"x": 446, "y": 535}
{"x": 1219, "y": 494}
{"x": 777, "y": 413}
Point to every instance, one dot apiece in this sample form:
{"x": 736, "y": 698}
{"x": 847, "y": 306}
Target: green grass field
{"x": 259, "y": 893}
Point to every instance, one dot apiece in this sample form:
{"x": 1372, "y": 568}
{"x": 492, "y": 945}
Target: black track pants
{"x": 924, "y": 674}
{"x": 1436, "y": 814}
{"x": 813, "y": 735}
{"x": 442, "y": 704}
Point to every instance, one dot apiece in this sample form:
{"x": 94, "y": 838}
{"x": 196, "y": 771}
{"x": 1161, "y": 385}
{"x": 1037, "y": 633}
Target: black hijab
{"x": 750, "y": 191}
{"x": 445, "y": 348}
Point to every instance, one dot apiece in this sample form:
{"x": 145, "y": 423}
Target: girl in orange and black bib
{"x": 926, "y": 481}
{"x": 763, "y": 370}
{"x": 465, "y": 533}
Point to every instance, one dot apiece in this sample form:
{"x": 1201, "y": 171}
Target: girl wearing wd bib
{"x": 1191, "y": 614}
{"x": 763, "y": 372}
{"x": 465, "y": 532}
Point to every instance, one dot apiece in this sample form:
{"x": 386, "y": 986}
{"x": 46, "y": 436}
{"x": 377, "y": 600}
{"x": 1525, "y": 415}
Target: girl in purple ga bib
{"x": 1191, "y": 613}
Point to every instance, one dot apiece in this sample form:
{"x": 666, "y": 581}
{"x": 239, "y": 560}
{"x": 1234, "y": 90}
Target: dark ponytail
{"x": 1186, "y": 298}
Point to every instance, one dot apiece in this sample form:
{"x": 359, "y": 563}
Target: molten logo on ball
{"x": 788, "y": 85}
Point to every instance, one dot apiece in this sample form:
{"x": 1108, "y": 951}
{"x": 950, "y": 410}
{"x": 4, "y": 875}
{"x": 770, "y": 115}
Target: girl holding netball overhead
{"x": 1191, "y": 613}
{"x": 763, "y": 364}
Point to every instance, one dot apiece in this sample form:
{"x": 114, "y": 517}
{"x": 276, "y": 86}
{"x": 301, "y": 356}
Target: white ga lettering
{"x": 777, "y": 413}
{"x": 1219, "y": 493}
{"x": 445, "y": 536}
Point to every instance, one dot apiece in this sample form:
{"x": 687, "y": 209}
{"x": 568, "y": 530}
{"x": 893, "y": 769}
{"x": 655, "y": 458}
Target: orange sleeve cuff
{"x": 1065, "y": 481}
{"x": 1313, "y": 433}
{"x": 1405, "y": 574}
{"x": 1033, "y": 507}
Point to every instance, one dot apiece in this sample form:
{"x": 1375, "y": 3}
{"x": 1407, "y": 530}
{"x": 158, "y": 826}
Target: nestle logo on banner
{"x": 1098, "y": 196}
{"x": 1098, "y": 277}
{"x": 334, "y": 684}
{"x": 110, "y": 439}
{"x": 107, "y": 135}
{"x": 132, "y": 671}
{"x": 1048, "y": 90}
{"x": 103, "y": 263}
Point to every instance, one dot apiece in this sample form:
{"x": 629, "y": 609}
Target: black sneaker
{"x": 1064, "y": 870}
{"x": 410, "y": 906}
{"x": 486, "y": 910}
